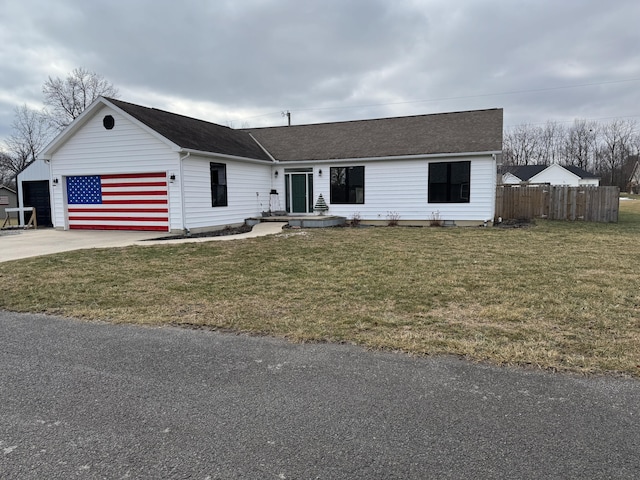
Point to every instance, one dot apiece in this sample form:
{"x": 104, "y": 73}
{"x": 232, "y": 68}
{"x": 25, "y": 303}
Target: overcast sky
{"x": 242, "y": 62}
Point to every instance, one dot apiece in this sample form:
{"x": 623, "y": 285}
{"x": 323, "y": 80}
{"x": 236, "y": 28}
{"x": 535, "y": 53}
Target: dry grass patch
{"x": 558, "y": 295}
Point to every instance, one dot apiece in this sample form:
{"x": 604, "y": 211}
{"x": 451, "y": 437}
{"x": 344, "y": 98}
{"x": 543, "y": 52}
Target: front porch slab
{"x": 301, "y": 221}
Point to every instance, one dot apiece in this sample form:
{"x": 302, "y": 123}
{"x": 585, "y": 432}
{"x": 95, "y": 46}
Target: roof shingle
{"x": 458, "y": 132}
{"x": 193, "y": 134}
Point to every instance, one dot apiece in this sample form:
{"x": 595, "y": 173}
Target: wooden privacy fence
{"x": 591, "y": 204}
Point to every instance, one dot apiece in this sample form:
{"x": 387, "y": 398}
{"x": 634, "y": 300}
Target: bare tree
{"x": 30, "y": 133}
{"x": 7, "y": 177}
{"x": 520, "y": 145}
{"x": 580, "y": 144}
{"x": 608, "y": 149}
{"x": 549, "y": 144}
{"x": 67, "y": 99}
{"x": 617, "y": 144}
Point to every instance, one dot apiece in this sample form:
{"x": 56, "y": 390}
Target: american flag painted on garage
{"x": 136, "y": 201}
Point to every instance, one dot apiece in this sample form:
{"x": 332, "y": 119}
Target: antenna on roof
{"x": 287, "y": 114}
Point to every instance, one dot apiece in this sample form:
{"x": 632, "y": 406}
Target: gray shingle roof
{"x": 458, "y": 132}
{"x": 580, "y": 172}
{"x": 194, "y": 134}
{"x": 525, "y": 172}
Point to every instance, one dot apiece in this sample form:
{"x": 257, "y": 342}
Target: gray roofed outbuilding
{"x": 444, "y": 133}
{"x": 525, "y": 172}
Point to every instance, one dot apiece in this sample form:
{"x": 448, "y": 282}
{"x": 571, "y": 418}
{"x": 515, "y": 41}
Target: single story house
{"x": 8, "y": 199}
{"x": 33, "y": 191}
{"x": 548, "y": 174}
{"x": 126, "y": 166}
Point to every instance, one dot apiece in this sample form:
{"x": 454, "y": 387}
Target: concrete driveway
{"x": 17, "y": 244}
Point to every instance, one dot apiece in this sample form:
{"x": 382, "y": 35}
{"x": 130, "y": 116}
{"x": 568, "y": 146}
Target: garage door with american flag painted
{"x": 136, "y": 201}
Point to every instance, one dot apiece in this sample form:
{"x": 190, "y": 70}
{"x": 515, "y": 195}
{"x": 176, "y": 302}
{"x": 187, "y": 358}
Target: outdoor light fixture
{"x": 320, "y": 172}
{"x": 55, "y": 181}
{"x": 276, "y": 174}
{"x": 172, "y": 178}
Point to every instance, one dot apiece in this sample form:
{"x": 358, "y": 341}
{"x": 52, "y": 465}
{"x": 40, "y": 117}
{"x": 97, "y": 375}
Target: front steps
{"x": 301, "y": 221}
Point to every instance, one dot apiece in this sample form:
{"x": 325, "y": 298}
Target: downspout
{"x": 182, "y": 199}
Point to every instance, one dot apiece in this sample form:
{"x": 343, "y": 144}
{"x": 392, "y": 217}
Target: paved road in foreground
{"x": 91, "y": 400}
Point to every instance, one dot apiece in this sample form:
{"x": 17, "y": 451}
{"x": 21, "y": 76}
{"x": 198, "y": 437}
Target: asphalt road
{"x": 92, "y": 400}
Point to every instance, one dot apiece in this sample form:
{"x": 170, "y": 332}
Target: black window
{"x": 218, "y": 184}
{"x": 347, "y": 184}
{"x": 449, "y": 182}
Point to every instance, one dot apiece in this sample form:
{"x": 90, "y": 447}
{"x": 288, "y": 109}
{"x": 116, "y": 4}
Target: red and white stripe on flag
{"x": 136, "y": 201}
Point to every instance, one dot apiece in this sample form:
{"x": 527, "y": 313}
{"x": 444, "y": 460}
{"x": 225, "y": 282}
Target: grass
{"x": 558, "y": 295}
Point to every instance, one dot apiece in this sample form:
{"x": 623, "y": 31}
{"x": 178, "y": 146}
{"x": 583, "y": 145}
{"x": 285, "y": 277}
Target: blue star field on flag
{"x": 84, "y": 190}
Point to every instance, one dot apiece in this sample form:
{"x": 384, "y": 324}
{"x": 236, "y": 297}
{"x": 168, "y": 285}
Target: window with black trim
{"x": 347, "y": 184}
{"x": 449, "y": 182}
{"x": 218, "y": 184}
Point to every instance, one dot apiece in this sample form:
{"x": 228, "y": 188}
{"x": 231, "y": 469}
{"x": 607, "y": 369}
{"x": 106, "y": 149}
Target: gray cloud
{"x": 242, "y": 62}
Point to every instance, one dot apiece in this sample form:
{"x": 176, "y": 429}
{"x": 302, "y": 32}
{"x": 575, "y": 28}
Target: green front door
{"x": 299, "y": 194}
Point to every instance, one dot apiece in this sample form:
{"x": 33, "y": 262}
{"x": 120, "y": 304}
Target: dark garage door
{"x": 36, "y": 194}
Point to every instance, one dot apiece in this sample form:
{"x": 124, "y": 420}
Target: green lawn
{"x": 557, "y": 295}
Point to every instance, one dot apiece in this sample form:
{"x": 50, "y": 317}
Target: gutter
{"x": 428, "y": 156}
{"x": 182, "y": 199}
{"x": 227, "y": 156}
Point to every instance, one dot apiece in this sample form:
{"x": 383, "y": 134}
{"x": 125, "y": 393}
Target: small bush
{"x": 435, "y": 220}
{"x": 355, "y": 219}
{"x": 393, "y": 219}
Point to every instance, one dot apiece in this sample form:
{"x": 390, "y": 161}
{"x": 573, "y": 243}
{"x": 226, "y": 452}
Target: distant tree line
{"x": 32, "y": 129}
{"x": 609, "y": 150}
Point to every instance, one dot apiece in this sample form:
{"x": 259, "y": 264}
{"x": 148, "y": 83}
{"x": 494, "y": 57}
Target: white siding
{"x": 127, "y": 148}
{"x": 401, "y": 186}
{"x": 589, "y": 182}
{"x": 248, "y": 186}
{"x": 510, "y": 179}
{"x": 38, "y": 170}
{"x": 556, "y": 175}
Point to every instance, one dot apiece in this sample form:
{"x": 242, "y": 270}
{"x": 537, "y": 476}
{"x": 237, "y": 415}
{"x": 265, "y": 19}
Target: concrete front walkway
{"x": 17, "y": 244}
{"x": 259, "y": 230}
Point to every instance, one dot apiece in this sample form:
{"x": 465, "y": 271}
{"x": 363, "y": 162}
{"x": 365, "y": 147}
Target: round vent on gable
{"x": 108, "y": 122}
